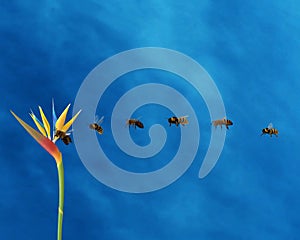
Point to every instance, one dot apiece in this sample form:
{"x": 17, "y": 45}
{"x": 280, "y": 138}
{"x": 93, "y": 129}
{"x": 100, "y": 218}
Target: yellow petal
{"x": 61, "y": 120}
{"x": 48, "y": 145}
{"x": 39, "y": 126}
{"x": 68, "y": 124}
{"x": 45, "y": 122}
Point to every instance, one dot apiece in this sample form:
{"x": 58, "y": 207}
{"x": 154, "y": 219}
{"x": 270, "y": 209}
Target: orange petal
{"x": 61, "y": 120}
{"x": 68, "y": 124}
{"x": 45, "y": 122}
{"x": 48, "y": 145}
{"x": 38, "y": 124}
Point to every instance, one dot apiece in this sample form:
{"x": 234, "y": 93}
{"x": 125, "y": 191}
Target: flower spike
{"x": 44, "y": 139}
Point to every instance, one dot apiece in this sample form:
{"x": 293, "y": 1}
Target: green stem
{"x": 60, "y": 169}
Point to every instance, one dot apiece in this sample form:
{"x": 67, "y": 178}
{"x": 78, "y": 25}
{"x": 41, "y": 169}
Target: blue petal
{"x": 54, "y": 118}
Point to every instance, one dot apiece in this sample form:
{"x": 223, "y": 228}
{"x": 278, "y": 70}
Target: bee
{"x": 270, "y": 130}
{"x": 64, "y": 136}
{"x": 178, "y": 120}
{"x": 135, "y": 123}
{"x": 96, "y": 125}
{"x": 221, "y": 122}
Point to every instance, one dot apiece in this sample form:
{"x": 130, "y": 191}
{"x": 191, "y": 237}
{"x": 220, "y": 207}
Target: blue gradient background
{"x": 251, "y": 50}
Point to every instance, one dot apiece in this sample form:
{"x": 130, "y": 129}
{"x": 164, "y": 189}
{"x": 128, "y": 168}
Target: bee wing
{"x": 68, "y": 133}
{"x": 270, "y": 126}
{"x": 96, "y": 119}
{"x": 100, "y": 120}
{"x": 183, "y": 118}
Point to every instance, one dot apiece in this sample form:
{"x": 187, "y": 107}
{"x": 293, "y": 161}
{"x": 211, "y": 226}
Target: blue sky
{"x": 251, "y": 51}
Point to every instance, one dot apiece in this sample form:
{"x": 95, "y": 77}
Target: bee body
{"x": 135, "y": 123}
{"x": 96, "y": 127}
{"x": 65, "y": 137}
{"x": 178, "y": 120}
{"x": 221, "y": 122}
{"x": 270, "y": 130}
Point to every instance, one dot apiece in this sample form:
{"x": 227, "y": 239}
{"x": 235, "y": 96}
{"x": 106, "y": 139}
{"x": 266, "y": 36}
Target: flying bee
{"x": 135, "y": 123}
{"x": 178, "y": 120}
{"x": 270, "y": 130}
{"x": 64, "y": 136}
{"x": 96, "y": 125}
{"x": 221, "y": 122}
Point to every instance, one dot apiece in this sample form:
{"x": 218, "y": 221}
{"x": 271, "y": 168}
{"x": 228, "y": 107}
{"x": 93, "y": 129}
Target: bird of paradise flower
{"x": 47, "y": 141}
